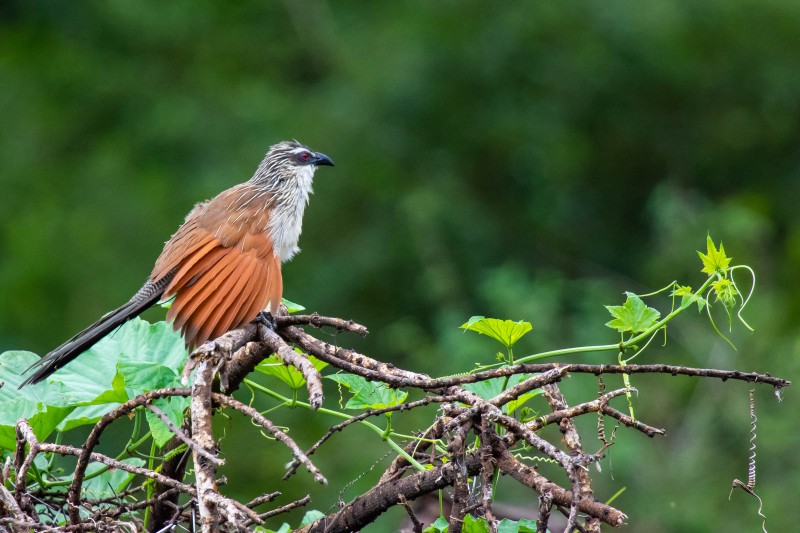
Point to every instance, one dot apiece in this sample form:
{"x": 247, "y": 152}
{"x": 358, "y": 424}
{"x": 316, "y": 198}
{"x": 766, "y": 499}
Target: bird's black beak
{"x": 321, "y": 159}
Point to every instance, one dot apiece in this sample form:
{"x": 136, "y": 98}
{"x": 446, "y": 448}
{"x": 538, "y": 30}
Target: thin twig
{"x": 286, "y": 508}
{"x": 299, "y": 361}
{"x": 292, "y": 468}
{"x": 416, "y": 525}
{"x": 24, "y": 429}
{"x": 182, "y": 436}
{"x": 281, "y": 436}
{"x": 321, "y": 321}
{"x": 264, "y": 498}
{"x": 74, "y": 493}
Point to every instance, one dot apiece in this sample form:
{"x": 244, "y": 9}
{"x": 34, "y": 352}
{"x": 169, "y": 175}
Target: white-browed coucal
{"x": 223, "y": 265}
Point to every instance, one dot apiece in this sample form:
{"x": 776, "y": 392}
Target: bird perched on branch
{"x": 223, "y": 265}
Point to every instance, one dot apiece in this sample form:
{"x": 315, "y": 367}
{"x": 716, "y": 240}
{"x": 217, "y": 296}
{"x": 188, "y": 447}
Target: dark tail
{"x": 146, "y": 297}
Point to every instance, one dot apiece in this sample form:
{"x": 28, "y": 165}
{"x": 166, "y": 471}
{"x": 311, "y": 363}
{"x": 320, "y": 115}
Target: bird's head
{"x": 289, "y": 164}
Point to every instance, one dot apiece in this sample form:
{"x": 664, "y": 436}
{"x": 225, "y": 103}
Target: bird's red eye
{"x": 304, "y": 156}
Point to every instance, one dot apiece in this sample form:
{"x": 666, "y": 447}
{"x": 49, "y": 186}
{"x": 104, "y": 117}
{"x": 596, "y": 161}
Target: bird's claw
{"x": 266, "y": 318}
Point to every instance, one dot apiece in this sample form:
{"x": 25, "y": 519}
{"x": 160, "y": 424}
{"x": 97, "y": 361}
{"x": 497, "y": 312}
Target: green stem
{"x": 615, "y": 347}
{"x": 290, "y": 403}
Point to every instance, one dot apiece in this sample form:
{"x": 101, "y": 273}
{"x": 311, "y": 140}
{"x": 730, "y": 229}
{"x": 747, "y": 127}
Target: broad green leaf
{"x": 486, "y": 389}
{"x": 507, "y": 332}
{"x": 474, "y": 525}
{"x": 513, "y": 405}
{"x": 86, "y": 415}
{"x": 714, "y": 260}
{"x": 151, "y": 343}
{"x": 146, "y": 349}
{"x": 12, "y": 367}
{"x": 285, "y": 528}
{"x": 150, "y": 356}
{"x": 147, "y": 356}
{"x": 274, "y": 366}
{"x": 291, "y": 306}
{"x": 633, "y": 316}
{"x": 310, "y": 517}
{"x": 490, "y": 388}
{"x": 117, "y": 394}
{"x": 507, "y": 526}
{"x": 174, "y": 408}
{"x": 511, "y": 526}
{"x": 90, "y": 412}
{"x": 141, "y": 376}
{"x": 368, "y": 394}
{"x": 43, "y": 419}
{"x": 111, "y": 482}
{"x": 439, "y": 526}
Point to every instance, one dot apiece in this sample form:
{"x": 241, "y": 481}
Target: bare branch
{"x": 321, "y": 321}
{"x": 182, "y": 436}
{"x": 211, "y": 517}
{"x": 285, "y": 439}
{"x": 469, "y": 423}
{"x": 367, "y": 414}
{"x": 25, "y": 433}
{"x": 286, "y": 508}
{"x": 299, "y": 361}
{"x": 650, "y": 431}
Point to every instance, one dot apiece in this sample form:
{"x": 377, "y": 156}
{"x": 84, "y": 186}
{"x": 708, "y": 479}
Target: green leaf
{"x": 714, "y": 261}
{"x": 439, "y": 526}
{"x": 86, "y": 415}
{"x": 43, "y": 419}
{"x": 90, "y": 412}
{"x": 522, "y": 526}
{"x": 291, "y": 306}
{"x": 633, "y": 315}
{"x": 507, "y": 332}
{"x": 688, "y": 297}
{"x": 475, "y": 525}
{"x": 513, "y": 405}
{"x": 174, "y": 408}
{"x": 147, "y": 356}
{"x": 486, "y": 389}
{"x": 490, "y": 388}
{"x": 310, "y": 517}
{"x": 50, "y": 392}
{"x": 111, "y": 482}
{"x": 368, "y": 394}
{"x": 285, "y": 528}
{"x": 151, "y": 356}
{"x": 141, "y": 376}
{"x": 274, "y": 366}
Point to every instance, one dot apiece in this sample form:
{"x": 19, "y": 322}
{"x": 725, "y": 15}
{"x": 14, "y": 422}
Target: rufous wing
{"x": 224, "y": 265}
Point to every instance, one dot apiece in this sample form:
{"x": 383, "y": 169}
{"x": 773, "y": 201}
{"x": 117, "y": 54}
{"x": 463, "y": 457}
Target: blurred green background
{"x": 525, "y": 160}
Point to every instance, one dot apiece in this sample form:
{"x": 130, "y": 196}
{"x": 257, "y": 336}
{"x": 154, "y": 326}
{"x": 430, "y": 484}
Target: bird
{"x": 223, "y": 264}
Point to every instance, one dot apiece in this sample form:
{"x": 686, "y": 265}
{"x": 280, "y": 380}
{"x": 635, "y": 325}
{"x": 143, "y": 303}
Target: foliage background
{"x": 528, "y": 162}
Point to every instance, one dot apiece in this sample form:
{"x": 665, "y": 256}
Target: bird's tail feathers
{"x": 148, "y": 295}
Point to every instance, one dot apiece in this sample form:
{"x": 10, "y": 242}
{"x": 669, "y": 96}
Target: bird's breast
{"x": 285, "y": 226}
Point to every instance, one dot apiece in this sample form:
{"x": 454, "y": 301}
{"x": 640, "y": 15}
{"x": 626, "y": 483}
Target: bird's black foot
{"x": 266, "y": 318}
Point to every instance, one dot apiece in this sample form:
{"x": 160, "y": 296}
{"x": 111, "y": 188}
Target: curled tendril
{"x": 749, "y": 487}
{"x": 744, "y": 299}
